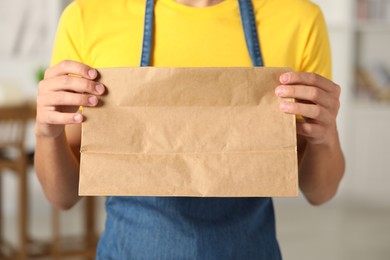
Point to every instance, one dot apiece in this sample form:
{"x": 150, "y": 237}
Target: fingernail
{"x": 285, "y": 106}
{"x": 99, "y": 88}
{"x": 92, "y": 74}
{"x": 78, "y": 118}
{"x": 279, "y": 91}
{"x": 285, "y": 78}
{"x": 92, "y": 100}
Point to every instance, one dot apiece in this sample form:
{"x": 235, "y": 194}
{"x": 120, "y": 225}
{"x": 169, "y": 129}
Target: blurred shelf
{"x": 340, "y": 26}
{"x": 375, "y": 26}
{"x": 371, "y": 108}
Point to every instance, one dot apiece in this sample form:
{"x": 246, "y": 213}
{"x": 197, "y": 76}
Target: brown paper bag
{"x": 215, "y": 132}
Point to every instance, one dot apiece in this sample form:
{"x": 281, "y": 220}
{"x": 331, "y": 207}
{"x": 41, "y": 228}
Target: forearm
{"x": 58, "y": 171}
{"x": 321, "y": 168}
{"x": 58, "y": 128}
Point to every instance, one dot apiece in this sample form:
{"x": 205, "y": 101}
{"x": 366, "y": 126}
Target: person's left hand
{"x": 316, "y": 100}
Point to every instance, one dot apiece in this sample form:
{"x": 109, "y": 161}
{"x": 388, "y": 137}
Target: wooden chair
{"x": 81, "y": 246}
{"x": 13, "y": 120}
{"x": 13, "y": 157}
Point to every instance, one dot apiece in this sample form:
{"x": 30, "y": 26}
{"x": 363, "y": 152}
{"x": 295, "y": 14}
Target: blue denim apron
{"x": 170, "y": 228}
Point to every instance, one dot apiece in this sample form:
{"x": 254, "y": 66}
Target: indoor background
{"x": 354, "y": 225}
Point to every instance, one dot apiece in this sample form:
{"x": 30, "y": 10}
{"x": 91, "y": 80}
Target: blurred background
{"x": 354, "y": 225}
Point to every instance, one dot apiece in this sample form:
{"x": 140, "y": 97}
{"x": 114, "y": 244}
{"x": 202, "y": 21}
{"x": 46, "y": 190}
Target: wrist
{"x": 329, "y": 142}
{"x": 45, "y": 131}
{"x": 327, "y": 138}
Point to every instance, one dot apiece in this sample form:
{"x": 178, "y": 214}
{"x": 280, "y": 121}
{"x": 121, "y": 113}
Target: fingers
{"x": 317, "y": 97}
{"x": 310, "y": 79}
{"x": 67, "y": 99}
{"x": 317, "y": 100}
{"x": 71, "y": 67}
{"x": 53, "y": 117}
{"x": 321, "y": 106}
{"x": 310, "y": 87}
{"x": 66, "y": 86}
{"x": 307, "y": 93}
{"x": 314, "y": 112}
{"x": 61, "y": 89}
{"x": 70, "y": 83}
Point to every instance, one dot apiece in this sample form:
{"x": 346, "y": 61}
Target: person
{"x": 189, "y": 33}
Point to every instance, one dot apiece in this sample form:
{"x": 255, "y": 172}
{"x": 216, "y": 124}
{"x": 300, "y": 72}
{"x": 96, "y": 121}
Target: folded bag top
{"x": 207, "y": 132}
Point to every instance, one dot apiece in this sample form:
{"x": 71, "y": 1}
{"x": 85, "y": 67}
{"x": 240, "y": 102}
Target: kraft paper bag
{"x": 215, "y": 132}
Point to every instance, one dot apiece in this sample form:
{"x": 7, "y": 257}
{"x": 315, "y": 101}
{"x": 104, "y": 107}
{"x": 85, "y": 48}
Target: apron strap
{"x": 248, "y": 22}
{"x": 250, "y": 29}
{"x": 148, "y": 34}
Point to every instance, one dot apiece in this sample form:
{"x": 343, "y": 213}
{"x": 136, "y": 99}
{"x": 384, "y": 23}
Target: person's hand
{"x": 316, "y": 100}
{"x": 60, "y": 95}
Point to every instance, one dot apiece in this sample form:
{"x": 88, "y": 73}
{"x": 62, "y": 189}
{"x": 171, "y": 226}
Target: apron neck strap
{"x": 148, "y": 34}
{"x": 248, "y": 22}
{"x": 250, "y": 29}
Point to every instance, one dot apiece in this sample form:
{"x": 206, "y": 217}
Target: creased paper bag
{"x": 215, "y": 132}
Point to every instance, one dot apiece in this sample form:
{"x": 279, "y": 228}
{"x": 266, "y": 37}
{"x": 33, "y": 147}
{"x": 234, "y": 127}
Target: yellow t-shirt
{"x": 109, "y": 34}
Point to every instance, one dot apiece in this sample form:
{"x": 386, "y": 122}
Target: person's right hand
{"x": 60, "y": 95}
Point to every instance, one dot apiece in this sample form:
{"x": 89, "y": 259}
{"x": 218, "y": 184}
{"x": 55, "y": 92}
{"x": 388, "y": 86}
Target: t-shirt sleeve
{"x": 68, "y": 44}
{"x": 317, "y": 54}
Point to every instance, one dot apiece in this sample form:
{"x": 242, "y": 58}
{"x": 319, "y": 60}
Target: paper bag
{"x": 215, "y": 132}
